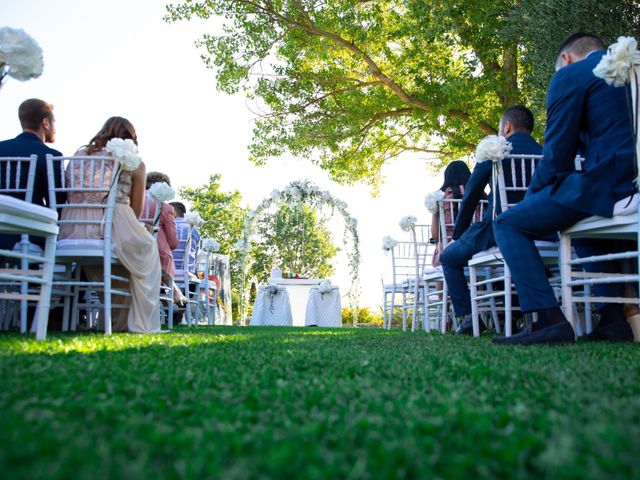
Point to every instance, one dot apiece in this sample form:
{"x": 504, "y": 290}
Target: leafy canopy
{"x": 351, "y": 84}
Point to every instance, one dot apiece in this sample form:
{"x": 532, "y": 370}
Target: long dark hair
{"x": 456, "y": 175}
{"x": 114, "y": 127}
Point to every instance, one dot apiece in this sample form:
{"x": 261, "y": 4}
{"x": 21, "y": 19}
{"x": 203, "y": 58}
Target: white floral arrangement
{"x": 388, "y": 243}
{"x": 124, "y": 151}
{"x": 616, "y": 65}
{"x": 243, "y": 246}
{"x": 432, "y": 200}
{"x": 408, "y": 223}
{"x": 194, "y": 219}
{"x": 325, "y": 286}
{"x": 20, "y": 55}
{"x": 494, "y": 148}
{"x": 210, "y": 245}
{"x": 162, "y": 192}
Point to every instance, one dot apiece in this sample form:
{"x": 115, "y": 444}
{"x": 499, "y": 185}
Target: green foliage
{"x": 351, "y": 84}
{"x": 294, "y": 239}
{"x": 244, "y": 403}
{"x": 367, "y": 317}
{"x": 224, "y": 215}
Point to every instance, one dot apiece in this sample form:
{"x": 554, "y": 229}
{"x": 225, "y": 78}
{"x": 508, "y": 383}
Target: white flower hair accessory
{"x": 493, "y": 147}
{"x": 194, "y": 219}
{"x": 210, "y": 245}
{"x": 388, "y": 243}
{"x": 432, "y": 199}
{"x": 408, "y": 223}
{"x": 615, "y": 66}
{"x": 20, "y": 55}
{"x": 125, "y": 151}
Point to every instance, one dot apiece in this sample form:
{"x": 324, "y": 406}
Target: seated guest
{"x": 583, "y": 113}
{"x": 183, "y": 231}
{"x": 38, "y": 127}
{"x": 516, "y": 125}
{"x": 167, "y": 234}
{"x": 456, "y": 175}
{"x": 134, "y": 246}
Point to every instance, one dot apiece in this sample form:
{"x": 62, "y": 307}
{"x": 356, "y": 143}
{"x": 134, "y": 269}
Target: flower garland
{"x": 432, "y": 200}
{"x": 20, "y": 55}
{"x": 125, "y": 152}
{"x": 306, "y": 192}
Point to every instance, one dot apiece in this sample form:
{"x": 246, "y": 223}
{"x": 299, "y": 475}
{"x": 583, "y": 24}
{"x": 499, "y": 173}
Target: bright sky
{"x": 118, "y": 57}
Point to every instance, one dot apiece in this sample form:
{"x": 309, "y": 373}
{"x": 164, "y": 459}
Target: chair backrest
{"x": 151, "y": 212}
{"x": 90, "y": 185}
{"x": 17, "y": 176}
{"x": 182, "y": 254}
{"x": 521, "y": 169}
{"x": 408, "y": 259}
{"x": 448, "y": 213}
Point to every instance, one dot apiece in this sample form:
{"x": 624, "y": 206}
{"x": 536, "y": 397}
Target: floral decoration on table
{"x": 304, "y": 191}
{"x": 125, "y": 151}
{"x": 272, "y": 290}
{"x": 210, "y": 245}
{"x": 388, "y": 243}
{"x": 20, "y": 55}
{"x": 408, "y": 223}
{"x": 325, "y": 286}
{"x": 494, "y": 148}
{"x": 194, "y": 219}
{"x": 619, "y": 66}
{"x": 432, "y": 200}
{"x": 162, "y": 192}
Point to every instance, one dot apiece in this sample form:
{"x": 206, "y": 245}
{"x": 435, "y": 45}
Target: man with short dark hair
{"x": 38, "y": 127}
{"x": 587, "y": 115}
{"x": 516, "y": 125}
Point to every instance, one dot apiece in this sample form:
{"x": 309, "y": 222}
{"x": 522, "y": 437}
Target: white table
{"x": 298, "y": 289}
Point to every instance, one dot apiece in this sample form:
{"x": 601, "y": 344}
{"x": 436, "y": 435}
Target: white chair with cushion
{"x": 97, "y": 178}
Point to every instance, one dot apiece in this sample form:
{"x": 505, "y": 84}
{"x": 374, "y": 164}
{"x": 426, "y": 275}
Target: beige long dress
{"x": 136, "y": 249}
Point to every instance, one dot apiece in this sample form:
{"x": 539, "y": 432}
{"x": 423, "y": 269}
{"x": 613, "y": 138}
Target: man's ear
{"x": 507, "y": 128}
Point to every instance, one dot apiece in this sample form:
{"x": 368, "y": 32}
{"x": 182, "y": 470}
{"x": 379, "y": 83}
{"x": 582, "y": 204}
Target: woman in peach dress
{"x": 134, "y": 246}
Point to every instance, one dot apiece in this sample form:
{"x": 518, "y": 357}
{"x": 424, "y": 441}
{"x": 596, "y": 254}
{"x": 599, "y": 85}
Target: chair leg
{"x": 565, "y": 278}
{"x": 44, "y": 303}
{"x": 444, "y": 309}
{"x": 507, "y": 301}
{"x": 473, "y": 280}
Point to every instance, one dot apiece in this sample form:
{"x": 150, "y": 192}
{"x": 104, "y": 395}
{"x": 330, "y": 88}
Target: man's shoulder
{"x": 524, "y": 144}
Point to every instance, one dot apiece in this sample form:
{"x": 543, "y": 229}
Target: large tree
{"x": 351, "y": 84}
{"x": 295, "y": 239}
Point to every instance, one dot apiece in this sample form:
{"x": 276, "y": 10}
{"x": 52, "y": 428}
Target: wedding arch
{"x": 303, "y": 191}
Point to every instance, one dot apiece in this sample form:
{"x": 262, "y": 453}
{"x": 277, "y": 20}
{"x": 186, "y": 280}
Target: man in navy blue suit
{"x": 38, "y": 127}
{"x": 587, "y": 115}
{"x": 516, "y": 125}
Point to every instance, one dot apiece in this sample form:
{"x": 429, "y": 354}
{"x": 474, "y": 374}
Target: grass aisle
{"x": 298, "y": 403}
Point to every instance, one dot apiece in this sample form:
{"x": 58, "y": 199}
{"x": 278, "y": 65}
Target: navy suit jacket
{"x": 24, "y": 145}
{"x": 587, "y": 115}
{"x": 523, "y": 144}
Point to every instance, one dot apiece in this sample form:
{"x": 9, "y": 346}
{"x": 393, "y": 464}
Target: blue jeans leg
{"x": 516, "y": 230}
{"x": 454, "y": 259}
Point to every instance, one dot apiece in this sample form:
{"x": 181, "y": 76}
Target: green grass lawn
{"x": 229, "y": 403}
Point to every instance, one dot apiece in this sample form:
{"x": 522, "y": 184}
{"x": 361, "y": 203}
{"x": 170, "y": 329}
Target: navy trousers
{"x": 454, "y": 260}
{"x": 535, "y": 218}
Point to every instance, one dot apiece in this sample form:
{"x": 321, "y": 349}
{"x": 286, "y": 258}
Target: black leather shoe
{"x": 466, "y": 327}
{"x": 557, "y": 333}
{"x": 619, "y": 331}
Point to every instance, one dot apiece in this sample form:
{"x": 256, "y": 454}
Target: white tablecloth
{"x": 272, "y": 310}
{"x": 298, "y": 290}
{"x": 324, "y": 309}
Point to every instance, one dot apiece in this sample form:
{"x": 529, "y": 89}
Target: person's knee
{"x": 453, "y": 256}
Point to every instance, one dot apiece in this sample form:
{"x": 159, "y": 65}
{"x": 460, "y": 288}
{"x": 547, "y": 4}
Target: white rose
{"x": 408, "y": 223}
{"x": 161, "y": 192}
{"x": 432, "y": 199}
{"x": 494, "y": 148}
{"x": 20, "y": 53}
